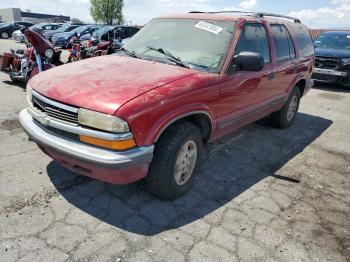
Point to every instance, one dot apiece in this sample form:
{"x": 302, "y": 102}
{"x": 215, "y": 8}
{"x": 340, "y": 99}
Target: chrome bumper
{"x": 77, "y": 150}
{"x": 330, "y": 72}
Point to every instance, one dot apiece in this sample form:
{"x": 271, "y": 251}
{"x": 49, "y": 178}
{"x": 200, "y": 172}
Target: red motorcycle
{"x": 90, "y": 48}
{"x": 38, "y": 56}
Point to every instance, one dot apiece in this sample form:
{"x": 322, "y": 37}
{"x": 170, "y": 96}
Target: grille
{"x": 55, "y": 112}
{"x": 327, "y": 63}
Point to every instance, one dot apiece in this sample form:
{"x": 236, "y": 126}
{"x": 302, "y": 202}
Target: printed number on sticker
{"x": 208, "y": 27}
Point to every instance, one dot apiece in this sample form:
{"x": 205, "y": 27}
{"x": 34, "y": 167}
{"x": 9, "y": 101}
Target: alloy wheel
{"x": 4, "y": 35}
{"x": 292, "y": 109}
{"x": 185, "y": 162}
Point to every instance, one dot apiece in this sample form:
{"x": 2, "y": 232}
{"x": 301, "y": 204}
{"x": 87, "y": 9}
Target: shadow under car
{"x": 236, "y": 163}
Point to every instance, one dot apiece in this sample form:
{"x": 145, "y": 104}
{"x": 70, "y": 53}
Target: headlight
{"x": 29, "y": 93}
{"x": 49, "y": 53}
{"x": 345, "y": 61}
{"x": 102, "y": 121}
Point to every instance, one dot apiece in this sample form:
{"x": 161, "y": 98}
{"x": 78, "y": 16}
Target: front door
{"x": 243, "y": 92}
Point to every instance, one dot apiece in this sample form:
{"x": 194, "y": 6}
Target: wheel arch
{"x": 301, "y": 84}
{"x": 202, "y": 119}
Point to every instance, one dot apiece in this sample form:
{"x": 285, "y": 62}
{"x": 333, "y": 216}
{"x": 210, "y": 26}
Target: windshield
{"x": 202, "y": 44}
{"x": 79, "y": 29}
{"x": 98, "y": 33}
{"x": 339, "y": 41}
{"x": 62, "y": 29}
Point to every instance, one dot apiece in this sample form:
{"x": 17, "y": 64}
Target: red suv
{"x": 147, "y": 112}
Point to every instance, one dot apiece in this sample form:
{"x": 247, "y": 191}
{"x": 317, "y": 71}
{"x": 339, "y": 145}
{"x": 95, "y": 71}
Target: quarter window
{"x": 283, "y": 42}
{"x": 304, "y": 39}
{"x": 254, "y": 39}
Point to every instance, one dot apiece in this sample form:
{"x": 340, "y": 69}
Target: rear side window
{"x": 283, "y": 42}
{"x": 254, "y": 39}
{"x": 305, "y": 42}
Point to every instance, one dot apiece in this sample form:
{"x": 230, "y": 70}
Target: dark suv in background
{"x": 7, "y": 29}
{"x": 62, "y": 39}
{"x": 110, "y": 32}
{"x": 332, "y": 50}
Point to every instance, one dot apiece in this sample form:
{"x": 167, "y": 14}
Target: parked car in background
{"x": 110, "y": 32}
{"x": 62, "y": 39}
{"x": 40, "y": 28}
{"x": 43, "y": 27}
{"x": 182, "y": 81}
{"x": 62, "y": 29}
{"x": 7, "y": 29}
{"x": 332, "y": 50}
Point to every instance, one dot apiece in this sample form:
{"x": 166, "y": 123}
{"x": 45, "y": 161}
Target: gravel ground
{"x": 263, "y": 195}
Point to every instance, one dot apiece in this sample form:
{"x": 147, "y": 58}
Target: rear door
{"x": 285, "y": 69}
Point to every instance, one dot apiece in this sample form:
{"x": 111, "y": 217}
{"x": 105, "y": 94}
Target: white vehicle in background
{"x": 18, "y": 36}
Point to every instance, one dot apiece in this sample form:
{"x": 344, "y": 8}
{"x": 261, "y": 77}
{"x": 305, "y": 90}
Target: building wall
{"x": 10, "y": 14}
{"x": 15, "y": 14}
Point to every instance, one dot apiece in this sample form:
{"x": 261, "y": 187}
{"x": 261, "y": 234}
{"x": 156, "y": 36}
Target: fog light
{"x": 114, "y": 145}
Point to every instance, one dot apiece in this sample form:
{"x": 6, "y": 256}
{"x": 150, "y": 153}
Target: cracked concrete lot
{"x": 263, "y": 195}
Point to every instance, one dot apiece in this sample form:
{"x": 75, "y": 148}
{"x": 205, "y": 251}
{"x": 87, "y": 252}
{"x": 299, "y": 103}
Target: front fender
{"x": 150, "y": 114}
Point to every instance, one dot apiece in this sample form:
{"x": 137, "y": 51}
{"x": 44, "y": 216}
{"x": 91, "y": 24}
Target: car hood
{"x": 332, "y": 52}
{"x": 105, "y": 83}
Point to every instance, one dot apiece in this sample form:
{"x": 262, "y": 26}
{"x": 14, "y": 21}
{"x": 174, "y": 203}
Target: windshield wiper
{"x": 170, "y": 56}
{"x": 129, "y": 53}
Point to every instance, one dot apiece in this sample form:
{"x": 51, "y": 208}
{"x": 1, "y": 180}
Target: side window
{"x": 283, "y": 42}
{"x": 254, "y": 39}
{"x": 304, "y": 39}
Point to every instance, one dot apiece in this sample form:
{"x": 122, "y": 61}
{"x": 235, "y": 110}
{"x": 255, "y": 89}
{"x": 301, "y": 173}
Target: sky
{"x": 313, "y": 13}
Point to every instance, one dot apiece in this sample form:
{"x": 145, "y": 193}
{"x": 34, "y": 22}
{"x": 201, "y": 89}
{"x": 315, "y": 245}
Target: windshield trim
{"x": 219, "y": 69}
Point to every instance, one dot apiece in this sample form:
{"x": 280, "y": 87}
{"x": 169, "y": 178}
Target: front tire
{"x": 176, "y": 161}
{"x": 286, "y": 116}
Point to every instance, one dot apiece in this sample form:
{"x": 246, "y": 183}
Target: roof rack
{"x": 253, "y": 14}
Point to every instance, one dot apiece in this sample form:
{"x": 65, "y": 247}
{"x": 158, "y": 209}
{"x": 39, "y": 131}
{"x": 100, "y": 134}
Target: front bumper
{"x": 106, "y": 165}
{"x": 331, "y": 76}
{"x": 18, "y": 38}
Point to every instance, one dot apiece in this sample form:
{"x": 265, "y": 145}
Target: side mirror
{"x": 249, "y": 61}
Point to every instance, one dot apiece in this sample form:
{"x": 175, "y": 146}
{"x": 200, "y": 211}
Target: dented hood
{"x": 105, "y": 83}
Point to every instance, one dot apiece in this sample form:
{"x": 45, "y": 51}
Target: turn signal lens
{"x": 114, "y": 145}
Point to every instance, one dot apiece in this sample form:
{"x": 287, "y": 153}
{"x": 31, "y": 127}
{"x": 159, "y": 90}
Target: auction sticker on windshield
{"x": 209, "y": 27}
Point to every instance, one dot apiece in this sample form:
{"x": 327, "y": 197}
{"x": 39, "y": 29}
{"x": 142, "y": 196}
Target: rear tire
{"x": 5, "y": 35}
{"x": 286, "y": 116}
{"x": 176, "y": 161}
